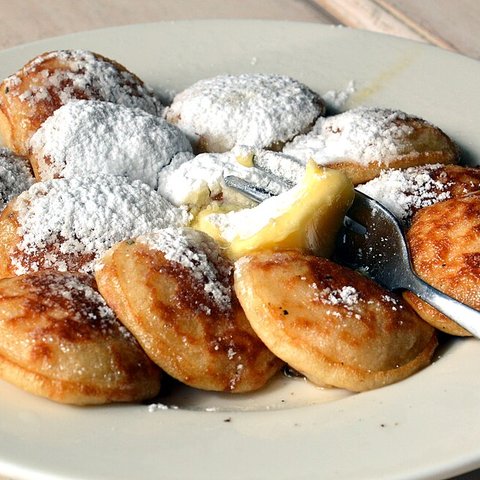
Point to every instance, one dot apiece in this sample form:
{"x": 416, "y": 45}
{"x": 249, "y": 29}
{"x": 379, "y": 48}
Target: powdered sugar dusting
{"x": 361, "y": 135}
{"x": 199, "y": 253}
{"x": 90, "y": 136}
{"x": 337, "y": 99}
{"x": 15, "y": 176}
{"x": 62, "y": 221}
{"x": 83, "y": 74}
{"x": 249, "y": 109}
{"x": 346, "y": 296}
{"x": 196, "y": 180}
{"x": 77, "y": 296}
{"x": 405, "y": 191}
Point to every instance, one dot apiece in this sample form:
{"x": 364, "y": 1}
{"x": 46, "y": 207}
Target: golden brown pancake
{"x": 332, "y": 324}
{"x": 31, "y": 95}
{"x": 445, "y": 247}
{"x": 59, "y": 340}
{"x": 364, "y": 141}
{"x": 172, "y": 289}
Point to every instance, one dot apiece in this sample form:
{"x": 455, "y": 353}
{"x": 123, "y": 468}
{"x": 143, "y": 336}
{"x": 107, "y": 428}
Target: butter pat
{"x": 307, "y": 217}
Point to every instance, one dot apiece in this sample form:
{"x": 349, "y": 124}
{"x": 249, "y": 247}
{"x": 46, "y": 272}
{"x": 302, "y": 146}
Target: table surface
{"x": 450, "y": 24}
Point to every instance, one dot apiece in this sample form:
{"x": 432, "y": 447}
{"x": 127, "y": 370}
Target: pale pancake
{"x": 252, "y": 109}
{"x": 332, "y": 324}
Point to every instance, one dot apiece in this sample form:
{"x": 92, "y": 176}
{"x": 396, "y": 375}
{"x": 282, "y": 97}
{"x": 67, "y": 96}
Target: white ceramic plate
{"x": 424, "y": 427}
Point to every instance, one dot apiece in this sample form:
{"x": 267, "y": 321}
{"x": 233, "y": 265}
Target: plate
{"x": 424, "y": 427}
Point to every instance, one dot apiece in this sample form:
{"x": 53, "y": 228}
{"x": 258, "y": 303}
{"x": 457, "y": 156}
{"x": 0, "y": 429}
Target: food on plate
{"x": 363, "y": 141}
{"x": 60, "y": 340}
{"x": 173, "y": 290}
{"x": 125, "y": 253}
{"x": 334, "y": 325}
{"x": 45, "y": 83}
{"x": 405, "y": 191}
{"x": 307, "y": 217}
{"x": 94, "y": 137}
{"x": 15, "y": 176}
{"x": 67, "y": 224}
{"x": 199, "y": 181}
{"x": 257, "y": 110}
{"x": 445, "y": 246}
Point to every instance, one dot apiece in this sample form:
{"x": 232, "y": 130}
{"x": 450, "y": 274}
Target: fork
{"x": 372, "y": 241}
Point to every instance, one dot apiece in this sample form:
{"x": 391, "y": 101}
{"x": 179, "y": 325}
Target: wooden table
{"x": 450, "y": 24}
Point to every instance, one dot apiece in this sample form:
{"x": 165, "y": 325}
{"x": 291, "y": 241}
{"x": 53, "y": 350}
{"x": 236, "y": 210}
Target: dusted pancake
{"x": 172, "y": 289}
{"x": 67, "y": 224}
{"x": 50, "y": 80}
{"x": 257, "y": 110}
{"x": 364, "y": 141}
{"x": 59, "y": 340}
{"x": 330, "y": 323}
{"x": 94, "y": 137}
{"x": 445, "y": 247}
{"x": 406, "y": 191}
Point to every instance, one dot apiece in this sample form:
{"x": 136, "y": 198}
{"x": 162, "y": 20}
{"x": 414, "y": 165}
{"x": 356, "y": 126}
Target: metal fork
{"x": 372, "y": 240}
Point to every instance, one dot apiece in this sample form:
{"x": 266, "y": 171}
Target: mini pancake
{"x": 59, "y": 340}
{"x": 445, "y": 248}
{"x": 364, "y": 141}
{"x": 67, "y": 224}
{"x": 15, "y": 176}
{"x": 50, "y": 80}
{"x": 257, "y": 110}
{"x": 332, "y": 324}
{"x": 172, "y": 289}
{"x": 94, "y": 137}
{"x": 406, "y": 191}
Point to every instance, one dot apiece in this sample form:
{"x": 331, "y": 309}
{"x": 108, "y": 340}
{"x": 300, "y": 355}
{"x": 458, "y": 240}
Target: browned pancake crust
{"x": 332, "y": 324}
{"x": 458, "y": 180}
{"x": 59, "y": 340}
{"x": 166, "y": 308}
{"x": 445, "y": 246}
{"x": 19, "y": 119}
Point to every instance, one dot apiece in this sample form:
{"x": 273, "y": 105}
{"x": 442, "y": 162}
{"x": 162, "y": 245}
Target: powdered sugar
{"x": 15, "y": 176}
{"x": 337, "y": 99}
{"x": 85, "y": 137}
{"x": 76, "y": 295}
{"x": 405, "y": 191}
{"x": 346, "y": 296}
{"x": 258, "y": 110}
{"x": 361, "y": 135}
{"x": 199, "y": 253}
{"x": 82, "y": 74}
{"x": 196, "y": 180}
{"x": 70, "y": 223}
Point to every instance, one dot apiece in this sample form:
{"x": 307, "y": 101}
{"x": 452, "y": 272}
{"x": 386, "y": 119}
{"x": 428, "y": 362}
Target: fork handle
{"x": 462, "y": 314}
